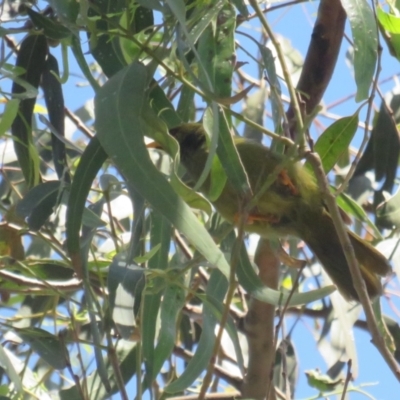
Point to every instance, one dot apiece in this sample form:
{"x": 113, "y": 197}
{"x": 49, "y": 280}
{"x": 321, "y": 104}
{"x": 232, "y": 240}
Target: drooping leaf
{"x": 383, "y": 149}
{"x": 388, "y": 212}
{"x": 118, "y": 108}
{"x": 242, "y": 7}
{"x": 48, "y": 346}
{"x": 216, "y": 48}
{"x": 31, "y": 56}
{"x": 286, "y": 366}
{"x": 172, "y": 302}
{"x": 255, "y": 107}
{"x": 54, "y": 98}
{"x": 10, "y": 370}
{"x": 217, "y": 308}
{"x": 89, "y": 165}
{"x": 80, "y": 58}
{"x": 160, "y": 234}
{"x": 389, "y": 26}
{"x": 216, "y": 288}
{"x": 67, "y": 10}
{"x": 126, "y": 353}
{"x": 365, "y": 38}
{"x": 38, "y": 204}
{"x": 390, "y": 22}
{"x": 162, "y": 106}
{"x": 125, "y": 283}
{"x": 50, "y": 28}
{"x": 104, "y": 48}
{"x": 336, "y": 140}
{"x": 275, "y": 87}
{"x": 351, "y": 207}
{"x": 9, "y": 114}
{"x": 140, "y": 19}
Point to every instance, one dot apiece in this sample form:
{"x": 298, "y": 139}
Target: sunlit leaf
{"x": 335, "y": 140}
{"x": 118, "y": 106}
{"x": 365, "y": 37}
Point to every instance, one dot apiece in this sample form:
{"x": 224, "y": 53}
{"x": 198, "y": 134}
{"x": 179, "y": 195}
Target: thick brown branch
{"x": 259, "y": 328}
{"x": 321, "y": 56}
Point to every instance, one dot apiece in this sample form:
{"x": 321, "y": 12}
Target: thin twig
{"x": 233, "y": 380}
{"x": 347, "y": 381}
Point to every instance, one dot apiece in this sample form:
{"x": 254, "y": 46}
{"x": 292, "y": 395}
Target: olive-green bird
{"x": 292, "y": 205}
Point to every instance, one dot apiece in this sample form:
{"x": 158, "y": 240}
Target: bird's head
{"x": 191, "y": 138}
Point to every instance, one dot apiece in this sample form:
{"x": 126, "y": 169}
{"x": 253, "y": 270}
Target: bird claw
{"x": 285, "y": 180}
{"x": 254, "y": 217}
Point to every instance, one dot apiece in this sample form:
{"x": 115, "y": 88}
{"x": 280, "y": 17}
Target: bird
{"x": 291, "y": 206}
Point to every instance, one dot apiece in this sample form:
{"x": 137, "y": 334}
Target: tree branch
{"x": 320, "y": 59}
{"x": 259, "y": 328}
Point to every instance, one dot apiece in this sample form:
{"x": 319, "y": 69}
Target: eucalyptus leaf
{"x": 365, "y": 38}
{"x": 118, "y": 127}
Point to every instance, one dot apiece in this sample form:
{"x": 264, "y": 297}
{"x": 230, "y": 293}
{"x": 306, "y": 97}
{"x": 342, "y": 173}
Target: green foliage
{"x": 113, "y": 267}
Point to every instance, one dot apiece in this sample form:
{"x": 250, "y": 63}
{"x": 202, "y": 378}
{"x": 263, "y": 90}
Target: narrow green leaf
{"x": 31, "y": 56}
{"x": 217, "y": 307}
{"x": 54, "y": 99}
{"x": 118, "y": 107}
{"x": 250, "y": 281}
{"x": 227, "y": 153}
{"x": 286, "y": 366}
{"x": 242, "y": 7}
{"x": 201, "y": 18}
{"x": 160, "y": 235}
{"x": 388, "y": 213}
{"x": 89, "y": 165}
{"x": 125, "y": 282}
{"x": 365, "y": 38}
{"x": 351, "y": 207}
{"x": 162, "y": 106}
{"x": 10, "y": 371}
{"x": 126, "y": 354}
{"x": 390, "y": 22}
{"x": 49, "y": 347}
{"x": 216, "y": 288}
{"x": 254, "y": 110}
{"x": 336, "y": 140}
{"x": 172, "y": 303}
{"x": 91, "y": 219}
{"x": 216, "y": 49}
{"x": 50, "y": 28}
{"x": 186, "y": 107}
{"x": 9, "y": 114}
{"x": 83, "y": 65}
{"x": 67, "y": 10}
{"x": 385, "y": 141}
{"x": 382, "y": 326}
{"x": 38, "y": 204}
{"x": 147, "y": 256}
{"x": 152, "y": 4}
{"x": 104, "y": 48}
{"x": 140, "y": 19}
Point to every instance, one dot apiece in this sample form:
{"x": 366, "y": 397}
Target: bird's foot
{"x": 256, "y": 217}
{"x": 285, "y": 180}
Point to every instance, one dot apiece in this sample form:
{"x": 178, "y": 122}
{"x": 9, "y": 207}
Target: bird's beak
{"x": 154, "y": 145}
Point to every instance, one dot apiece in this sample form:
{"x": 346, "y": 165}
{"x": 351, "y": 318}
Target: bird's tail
{"x": 326, "y": 246}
